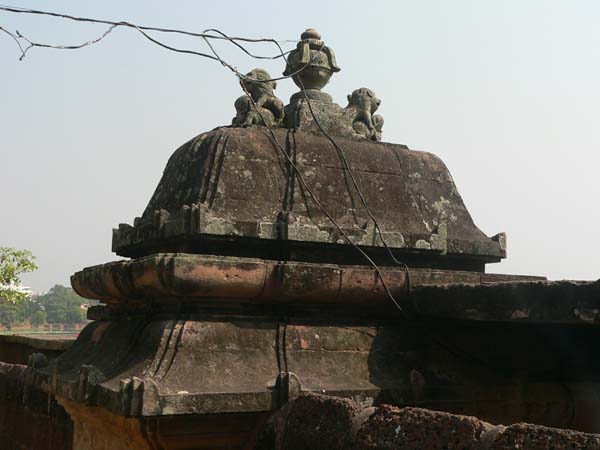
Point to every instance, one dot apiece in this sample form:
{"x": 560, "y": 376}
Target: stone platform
{"x": 197, "y": 361}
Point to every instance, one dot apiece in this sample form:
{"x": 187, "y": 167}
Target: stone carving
{"x": 37, "y": 360}
{"x": 363, "y": 103}
{"x": 313, "y": 63}
{"x": 264, "y": 108}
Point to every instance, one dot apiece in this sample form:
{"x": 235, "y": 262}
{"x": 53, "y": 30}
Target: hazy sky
{"x": 506, "y": 93}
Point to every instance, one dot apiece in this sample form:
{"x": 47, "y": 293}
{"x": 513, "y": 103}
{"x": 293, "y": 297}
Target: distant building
{"x": 18, "y": 288}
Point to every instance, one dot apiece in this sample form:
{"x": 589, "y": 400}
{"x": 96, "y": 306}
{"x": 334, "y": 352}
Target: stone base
{"x": 312, "y": 94}
{"x": 98, "y": 429}
{"x": 333, "y": 119}
{"x": 205, "y": 367}
{"x": 30, "y": 419}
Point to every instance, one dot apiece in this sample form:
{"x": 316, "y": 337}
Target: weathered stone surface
{"x": 203, "y": 364}
{"x": 573, "y": 302}
{"x": 98, "y": 429}
{"x": 316, "y": 115}
{"x": 319, "y": 422}
{"x": 258, "y": 106}
{"x": 16, "y": 349}
{"x": 312, "y": 63}
{"x": 390, "y": 428}
{"x": 30, "y": 419}
{"x": 363, "y": 103}
{"x": 188, "y": 276}
{"x": 233, "y": 185}
{"x": 95, "y": 428}
{"x": 533, "y": 437}
{"x": 204, "y": 279}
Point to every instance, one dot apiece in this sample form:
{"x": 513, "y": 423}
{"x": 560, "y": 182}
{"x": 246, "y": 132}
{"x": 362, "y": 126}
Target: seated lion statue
{"x": 259, "y": 106}
{"x": 363, "y": 103}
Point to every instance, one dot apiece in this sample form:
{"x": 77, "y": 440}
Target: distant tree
{"x": 38, "y": 318}
{"x": 25, "y": 309}
{"x": 8, "y": 315}
{"x": 12, "y": 264}
{"x": 62, "y": 305}
{"x": 75, "y": 315}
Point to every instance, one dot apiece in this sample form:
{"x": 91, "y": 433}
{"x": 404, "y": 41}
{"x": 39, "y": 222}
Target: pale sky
{"x": 506, "y": 93}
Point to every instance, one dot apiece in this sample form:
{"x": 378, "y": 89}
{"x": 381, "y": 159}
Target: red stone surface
{"x": 29, "y": 418}
{"x": 532, "y": 437}
{"x": 319, "y": 422}
{"x": 418, "y": 429}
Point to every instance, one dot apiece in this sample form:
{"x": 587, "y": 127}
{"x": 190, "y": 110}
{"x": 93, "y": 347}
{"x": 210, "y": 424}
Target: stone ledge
{"x": 326, "y": 423}
{"x": 37, "y": 343}
{"x": 204, "y": 279}
{"x": 564, "y": 302}
{"x": 189, "y": 277}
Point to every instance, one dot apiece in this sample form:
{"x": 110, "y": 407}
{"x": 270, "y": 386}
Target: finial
{"x": 310, "y": 33}
{"x": 311, "y": 65}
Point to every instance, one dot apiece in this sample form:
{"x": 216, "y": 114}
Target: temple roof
{"x": 233, "y": 191}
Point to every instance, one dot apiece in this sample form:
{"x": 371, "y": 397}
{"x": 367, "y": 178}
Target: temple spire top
{"x": 311, "y": 65}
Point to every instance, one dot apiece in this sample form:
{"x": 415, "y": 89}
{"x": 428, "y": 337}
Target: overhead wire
{"x": 17, "y": 9}
{"x": 207, "y": 34}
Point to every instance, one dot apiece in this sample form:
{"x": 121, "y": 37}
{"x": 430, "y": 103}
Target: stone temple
{"x": 297, "y": 283}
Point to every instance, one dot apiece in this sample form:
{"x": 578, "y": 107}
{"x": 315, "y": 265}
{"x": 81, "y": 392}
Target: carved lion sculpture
{"x": 263, "y": 108}
{"x": 363, "y": 103}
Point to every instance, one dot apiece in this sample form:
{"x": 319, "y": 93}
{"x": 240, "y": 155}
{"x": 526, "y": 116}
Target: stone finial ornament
{"x": 264, "y": 108}
{"x": 363, "y": 103}
{"x": 314, "y": 62}
{"x": 310, "y": 65}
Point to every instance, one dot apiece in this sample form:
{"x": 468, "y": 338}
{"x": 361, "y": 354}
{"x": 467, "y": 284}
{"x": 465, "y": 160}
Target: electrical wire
{"x": 16, "y": 9}
{"x": 206, "y": 35}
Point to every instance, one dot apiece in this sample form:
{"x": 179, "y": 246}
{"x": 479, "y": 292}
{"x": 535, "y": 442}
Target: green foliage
{"x": 8, "y": 315}
{"x": 12, "y": 264}
{"x": 38, "y": 318}
{"x": 62, "y": 305}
